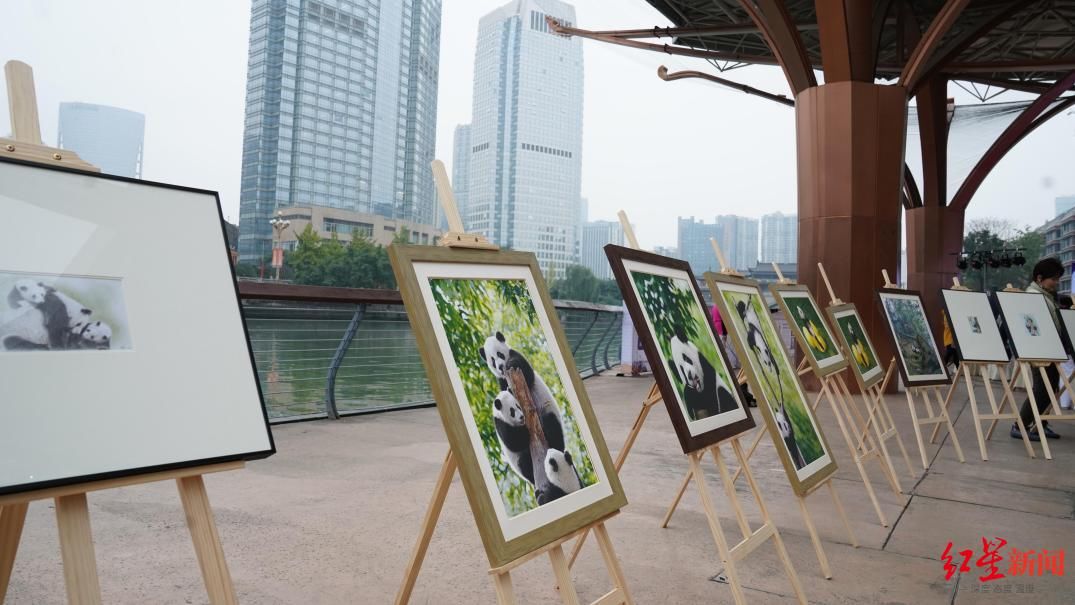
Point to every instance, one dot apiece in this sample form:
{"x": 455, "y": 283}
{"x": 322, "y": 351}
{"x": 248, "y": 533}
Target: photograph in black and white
{"x": 62, "y": 313}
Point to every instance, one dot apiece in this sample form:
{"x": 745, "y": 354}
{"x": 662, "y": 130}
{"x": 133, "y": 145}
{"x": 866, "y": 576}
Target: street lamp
{"x": 279, "y": 223}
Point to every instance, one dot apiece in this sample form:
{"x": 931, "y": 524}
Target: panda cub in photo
{"x": 705, "y": 394}
{"x": 513, "y": 435}
{"x": 499, "y": 357}
{"x": 787, "y": 432}
{"x": 46, "y": 319}
{"x": 563, "y": 476}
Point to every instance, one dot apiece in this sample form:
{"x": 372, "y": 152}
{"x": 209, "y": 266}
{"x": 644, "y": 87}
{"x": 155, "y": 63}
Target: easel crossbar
{"x": 755, "y": 540}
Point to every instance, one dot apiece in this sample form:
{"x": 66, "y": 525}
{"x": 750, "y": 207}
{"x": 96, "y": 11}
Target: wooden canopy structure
{"x": 875, "y": 55}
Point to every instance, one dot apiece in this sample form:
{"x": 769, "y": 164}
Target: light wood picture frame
{"x": 703, "y": 398}
{"x": 480, "y": 318}
{"x": 851, "y": 333}
{"x": 811, "y": 331}
{"x": 919, "y": 358}
{"x": 800, "y": 442}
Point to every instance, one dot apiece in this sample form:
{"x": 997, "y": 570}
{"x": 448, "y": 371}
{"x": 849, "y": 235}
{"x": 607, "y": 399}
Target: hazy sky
{"x": 656, "y": 149}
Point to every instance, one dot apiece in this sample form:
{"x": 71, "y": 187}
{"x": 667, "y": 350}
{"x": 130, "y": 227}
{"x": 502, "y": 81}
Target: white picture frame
{"x": 1029, "y": 326}
{"x": 974, "y": 327}
{"x": 181, "y": 392}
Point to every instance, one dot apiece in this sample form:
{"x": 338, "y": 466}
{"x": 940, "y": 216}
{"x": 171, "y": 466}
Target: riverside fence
{"x": 330, "y": 352}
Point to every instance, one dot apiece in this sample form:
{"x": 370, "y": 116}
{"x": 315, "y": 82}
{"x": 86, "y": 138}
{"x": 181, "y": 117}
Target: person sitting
{"x": 1045, "y": 280}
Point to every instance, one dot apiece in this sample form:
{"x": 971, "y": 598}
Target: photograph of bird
{"x": 812, "y": 333}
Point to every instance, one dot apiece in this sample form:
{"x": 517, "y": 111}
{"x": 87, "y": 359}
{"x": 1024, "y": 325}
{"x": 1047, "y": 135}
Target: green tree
{"x": 317, "y": 261}
{"x": 579, "y": 283}
{"x": 987, "y": 235}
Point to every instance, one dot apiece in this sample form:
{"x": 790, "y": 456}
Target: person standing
{"x": 1045, "y": 279}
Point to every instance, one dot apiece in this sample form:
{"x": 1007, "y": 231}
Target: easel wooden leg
{"x": 917, "y": 429}
{"x": 947, "y": 422}
{"x": 882, "y": 405}
{"x": 76, "y": 549}
{"x": 679, "y": 496}
{"x": 207, "y": 545}
{"x": 758, "y": 434}
{"x": 440, "y": 491}
{"x": 729, "y": 489}
{"x": 876, "y": 421}
{"x": 563, "y": 576}
{"x": 652, "y": 399}
{"x": 12, "y": 518}
{"x": 1008, "y": 393}
{"x": 947, "y": 404}
{"x": 965, "y": 370}
{"x": 619, "y": 581}
{"x": 1043, "y": 440}
{"x": 997, "y": 410}
{"x": 835, "y": 403}
{"x": 814, "y": 539}
{"x": 843, "y": 515}
{"x": 780, "y": 550}
{"x": 505, "y": 592}
{"x": 714, "y": 528}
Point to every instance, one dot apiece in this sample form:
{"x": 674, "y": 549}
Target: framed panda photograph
{"x": 689, "y": 362}
{"x": 531, "y": 456}
{"x": 800, "y": 442}
{"x": 123, "y": 349}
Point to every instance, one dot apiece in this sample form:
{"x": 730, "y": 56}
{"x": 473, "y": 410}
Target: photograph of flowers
{"x": 856, "y": 343}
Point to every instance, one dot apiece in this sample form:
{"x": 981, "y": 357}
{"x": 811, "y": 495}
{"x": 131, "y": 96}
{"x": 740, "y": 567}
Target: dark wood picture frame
{"x": 1067, "y": 317}
{"x": 1006, "y": 329}
{"x": 225, "y": 257}
{"x": 893, "y": 338}
{"x": 804, "y": 486}
{"x": 778, "y": 290}
{"x": 955, "y": 333}
{"x": 864, "y": 382}
{"x": 499, "y": 549}
{"x": 690, "y": 443}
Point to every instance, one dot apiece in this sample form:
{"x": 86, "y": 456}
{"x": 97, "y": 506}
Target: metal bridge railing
{"x": 330, "y": 352}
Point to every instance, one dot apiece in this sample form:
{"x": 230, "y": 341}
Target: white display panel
{"x": 177, "y": 389}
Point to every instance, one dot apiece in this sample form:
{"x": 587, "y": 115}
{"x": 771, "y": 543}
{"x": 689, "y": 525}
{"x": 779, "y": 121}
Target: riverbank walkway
{"x": 332, "y": 518}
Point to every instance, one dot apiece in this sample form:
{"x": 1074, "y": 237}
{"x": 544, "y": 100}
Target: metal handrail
{"x": 371, "y": 332}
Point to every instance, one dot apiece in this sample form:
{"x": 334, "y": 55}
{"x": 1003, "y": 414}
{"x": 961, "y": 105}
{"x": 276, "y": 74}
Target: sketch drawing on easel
{"x": 805, "y": 454}
{"x": 62, "y": 313}
{"x": 529, "y": 451}
{"x": 920, "y": 360}
{"x": 974, "y": 329}
{"x": 1030, "y": 327}
{"x": 689, "y": 362}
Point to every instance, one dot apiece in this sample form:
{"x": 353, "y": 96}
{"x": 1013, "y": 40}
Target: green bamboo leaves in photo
{"x": 913, "y": 336}
{"x": 780, "y": 386}
{"x": 471, "y": 311}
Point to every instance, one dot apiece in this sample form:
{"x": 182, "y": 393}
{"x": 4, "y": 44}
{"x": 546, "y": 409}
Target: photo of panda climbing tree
{"x": 61, "y": 313}
{"x": 775, "y": 376}
{"x": 919, "y": 356}
{"x": 529, "y": 432}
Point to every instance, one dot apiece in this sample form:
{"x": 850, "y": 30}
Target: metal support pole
{"x": 593, "y": 358}
{"x": 575, "y": 349}
{"x": 337, "y": 359}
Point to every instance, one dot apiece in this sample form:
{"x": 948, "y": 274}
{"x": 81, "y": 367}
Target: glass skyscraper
{"x": 779, "y": 238}
{"x": 526, "y": 133}
{"x": 341, "y": 111}
{"x": 107, "y": 137}
{"x": 461, "y": 169}
{"x": 738, "y": 238}
{"x": 595, "y": 235}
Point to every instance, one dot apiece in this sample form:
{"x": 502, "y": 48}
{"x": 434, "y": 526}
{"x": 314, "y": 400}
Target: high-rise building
{"x": 739, "y": 240}
{"x": 341, "y": 111}
{"x": 779, "y": 238}
{"x": 107, "y": 137}
{"x": 1064, "y": 203}
{"x": 669, "y": 251}
{"x": 693, "y": 243}
{"x": 526, "y": 132}
{"x": 1060, "y": 243}
{"x": 595, "y": 235}
{"x": 461, "y": 169}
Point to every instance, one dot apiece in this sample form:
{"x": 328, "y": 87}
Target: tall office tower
{"x": 692, "y": 241}
{"x": 107, "y": 137}
{"x": 460, "y": 169}
{"x": 779, "y": 238}
{"x": 595, "y": 235}
{"x": 669, "y": 251}
{"x": 526, "y": 133}
{"x": 739, "y": 240}
{"x": 341, "y": 111}
{"x": 1064, "y": 203}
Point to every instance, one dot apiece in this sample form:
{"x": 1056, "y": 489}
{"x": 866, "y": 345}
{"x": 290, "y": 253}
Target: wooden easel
{"x": 967, "y": 369}
{"x": 878, "y": 428}
{"x": 619, "y": 595}
{"x": 72, "y": 510}
{"x": 927, "y": 393}
{"x": 729, "y": 556}
{"x": 729, "y": 480}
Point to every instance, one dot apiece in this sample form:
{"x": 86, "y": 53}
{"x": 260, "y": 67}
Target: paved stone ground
{"x": 332, "y": 518}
